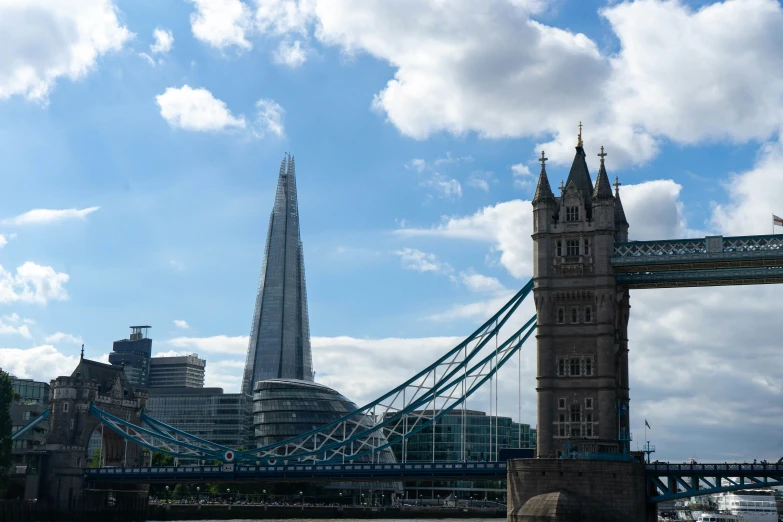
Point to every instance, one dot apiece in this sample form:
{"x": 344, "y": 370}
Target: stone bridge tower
{"x": 582, "y": 374}
{"x": 61, "y": 472}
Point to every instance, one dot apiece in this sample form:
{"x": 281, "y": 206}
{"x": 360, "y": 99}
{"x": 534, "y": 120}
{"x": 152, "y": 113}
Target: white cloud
{"x": 481, "y": 179}
{"x": 11, "y": 329}
{"x": 754, "y": 196}
{"x": 3, "y": 241}
{"x": 523, "y": 178}
{"x": 179, "y": 323}
{"x": 32, "y": 283}
{"x": 481, "y": 283}
{"x": 41, "y": 363}
{"x": 215, "y": 344}
{"x": 196, "y": 110}
{"x": 269, "y": 118}
{"x": 654, "y": 210}
{"x": 413, "y": 259}
{"x": 417, "y": 164}
{"x": 226, "y": 374}
{"x": 448, "y": 159}
{"x": 44, "y": 41}
{"x": 164, "y": 41}
{"x": 61, "y": 337}
{"x": 221, "y": 23}
{"x": 45, "y": 215}
{"x": 444, "y": 187}
{"x": 149, "y": 59}
{"x": 506, "y": 226}
{"x": 290, "y": 53}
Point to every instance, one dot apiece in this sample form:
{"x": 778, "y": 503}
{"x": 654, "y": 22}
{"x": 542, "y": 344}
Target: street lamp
{"x": 167, "y": 494}
{"x": 228, "y": 491}
{"x": 264, "y": 492}
{"x": 438, "y": 500}
{"x": 362, "y": 499}
{"x": 341, "y": 498}
{"x": 198, "y": 494}
{"x": 301, "y": 494}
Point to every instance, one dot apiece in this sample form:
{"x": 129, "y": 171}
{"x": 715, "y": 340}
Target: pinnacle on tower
{"x": 579, "y": 175}
{"x": 543, "y": 190}
{"x": 619, "y": 213}
{"x": 602, "y": 188}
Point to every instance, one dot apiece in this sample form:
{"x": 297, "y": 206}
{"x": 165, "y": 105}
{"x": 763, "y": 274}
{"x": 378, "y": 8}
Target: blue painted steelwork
{"x": 30, "y": 425}
{"x": 298, "y": 472}
{"x": 709, "y": 261}
{"x": 392, "y": 418}
{"x": 675, "y": 481}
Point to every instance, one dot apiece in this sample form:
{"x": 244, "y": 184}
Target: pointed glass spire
{"x": 602, "y": 188}
{"x": 543, "y": 189}
{"x": 279, "y": 345}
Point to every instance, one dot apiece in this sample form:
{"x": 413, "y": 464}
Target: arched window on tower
{"x": 560, "y": 316}
{"x": 587, "y": 247}
{"x": 588, "y": 314}
{"x": 559, "y": 248}
{"x": 574, "y": 315}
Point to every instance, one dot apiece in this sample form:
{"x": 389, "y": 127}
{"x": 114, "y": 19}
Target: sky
{"x": 140, "y": 143}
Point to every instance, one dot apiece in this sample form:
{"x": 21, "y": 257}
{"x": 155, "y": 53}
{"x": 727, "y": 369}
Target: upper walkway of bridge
{"x": 708, "y": 261}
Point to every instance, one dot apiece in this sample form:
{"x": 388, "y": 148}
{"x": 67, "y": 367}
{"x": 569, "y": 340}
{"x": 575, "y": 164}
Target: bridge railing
{"x": 702, "y": 469}
{"x": 698, "y": 249}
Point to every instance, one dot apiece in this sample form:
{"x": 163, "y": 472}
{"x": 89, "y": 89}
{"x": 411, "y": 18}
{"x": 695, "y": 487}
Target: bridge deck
{"x": 675, "y": 481}
{"x": 709, "y": 261}
{"x": 305, "y": 472}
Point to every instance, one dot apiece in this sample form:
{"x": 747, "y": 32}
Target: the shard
{"x": 279, "y": 345}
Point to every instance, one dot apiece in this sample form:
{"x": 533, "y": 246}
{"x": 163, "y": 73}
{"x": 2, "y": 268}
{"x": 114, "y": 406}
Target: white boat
{"x": 749, "y": 505}
{"x": 718, "y": 517}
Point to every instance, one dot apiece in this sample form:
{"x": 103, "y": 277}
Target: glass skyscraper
{"x": 279, "y": 345}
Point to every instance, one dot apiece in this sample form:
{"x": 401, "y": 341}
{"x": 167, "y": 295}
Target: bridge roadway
{"x": 708, "y": 261}
{"x": 667, "y": 481}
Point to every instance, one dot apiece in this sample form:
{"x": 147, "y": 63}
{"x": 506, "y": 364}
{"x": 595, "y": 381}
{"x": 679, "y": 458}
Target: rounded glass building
{"x": 285, "y": 408}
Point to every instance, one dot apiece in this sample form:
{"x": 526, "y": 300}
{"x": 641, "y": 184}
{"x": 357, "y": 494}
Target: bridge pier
{"x": 576, "y": 490}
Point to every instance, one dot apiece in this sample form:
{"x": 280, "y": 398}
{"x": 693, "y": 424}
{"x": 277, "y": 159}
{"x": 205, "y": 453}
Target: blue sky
{"x": 146, "y": 137}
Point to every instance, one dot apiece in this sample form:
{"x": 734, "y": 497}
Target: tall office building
{"x": 134, "y": 355}
{"x": 279, "y": 345}
{"x": 185, "y": 371}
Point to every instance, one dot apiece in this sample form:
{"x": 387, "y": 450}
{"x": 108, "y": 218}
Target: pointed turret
{"x": 602, "y": 188}
{"x": 579, "y": 175}
{"x": 620, "y": 222}
{"x": 543, "y": 189}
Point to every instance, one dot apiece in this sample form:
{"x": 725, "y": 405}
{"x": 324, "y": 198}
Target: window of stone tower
{"x": 574, "y": 315}
{"x": 587, "y": 247}
{"x": 559, "y": 248}
{"x": 561, "y": 431}
{"x": 576, "y": 413}
{"x": 588, "y": 366}
{"x": 575, "y": 367}
{"x": 588, "y": 314}
{"x": 561, "y": 405}
{"x": 588, "y": 404}
{"x": 71, "y": 423}
{"x": 561, "y": 371}
{"x": 560, "y": 316}
{"x": 572, "y": 213}
{"x": 572, "y": 247}
{"x": 65, "y": 407}
{"x": 589, "y": 430}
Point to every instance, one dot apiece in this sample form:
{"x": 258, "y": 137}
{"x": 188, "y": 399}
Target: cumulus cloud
{"x": 494, "y": 70}
{"x": 523, "y": 178}
{"x": 41, "y": 363}
{"x": 179, "y": 323}
{"x": 164, "y": 41}
{"x": 481, "y": 179}
{"x": 221, "y": 23}
{"x": 291, "y": 53}
{"x": 215, "y": 344}
{"x": 196, "y": 110}
{"x": 269, "y": 118}
{"x": 32, "y": 283}
{"x": 481, "y": 283}
{"x": 444, "y": 187}
{"x": 45, "y": 215}
{"x": 44, "y": 41}
{"x": 413, "y": 259}
{"x": 60, "y": 337}
{"x": 654, "y": 210}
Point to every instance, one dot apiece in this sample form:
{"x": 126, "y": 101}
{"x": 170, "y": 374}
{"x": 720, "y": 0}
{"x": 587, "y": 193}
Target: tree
{"x": 6, "y": 396}
{"x": 95, "y": 461}
{"x": 162, "y": 459}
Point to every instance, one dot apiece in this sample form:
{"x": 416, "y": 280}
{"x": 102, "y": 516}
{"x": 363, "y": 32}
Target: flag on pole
{"x": 777, "y": 221}
{"x": 647, "y": 423}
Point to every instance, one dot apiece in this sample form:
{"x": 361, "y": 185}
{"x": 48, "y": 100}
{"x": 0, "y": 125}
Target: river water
{"x": 344, "y": 519}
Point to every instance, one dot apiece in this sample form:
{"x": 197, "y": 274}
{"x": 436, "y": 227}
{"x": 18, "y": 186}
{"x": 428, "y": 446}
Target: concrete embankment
{"x": 226, "y": 512}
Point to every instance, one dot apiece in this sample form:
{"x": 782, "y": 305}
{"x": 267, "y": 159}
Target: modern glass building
{"x": 182, "y": 371}
{"x": 472, "y": 436}
{"x": 204, "y": 412}
{"x": 31, "y": 391}
{"x": 279, "y": 346}
{"x": 134, "y": 356}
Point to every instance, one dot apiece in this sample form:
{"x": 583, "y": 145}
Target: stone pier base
{"x": 569, "y": 490}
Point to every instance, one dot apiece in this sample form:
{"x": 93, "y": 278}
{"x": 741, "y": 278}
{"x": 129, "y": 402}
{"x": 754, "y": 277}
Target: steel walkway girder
{"x": 695, "y": 278}
{"x": 676, "y": 481}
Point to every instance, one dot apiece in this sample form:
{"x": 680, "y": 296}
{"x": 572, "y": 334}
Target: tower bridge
{"x": 584, "y": 268}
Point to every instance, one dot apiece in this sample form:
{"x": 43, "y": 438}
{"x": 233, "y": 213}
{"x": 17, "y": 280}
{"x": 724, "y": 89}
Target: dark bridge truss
{"x": 360, "y": 436}
{"x": 709, "y": 261}
{"x": 675, "y": 481}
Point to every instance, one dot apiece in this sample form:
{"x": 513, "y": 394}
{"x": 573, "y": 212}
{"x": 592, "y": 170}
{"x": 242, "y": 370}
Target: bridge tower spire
{"x": 582, "y": 379}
